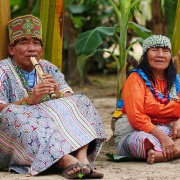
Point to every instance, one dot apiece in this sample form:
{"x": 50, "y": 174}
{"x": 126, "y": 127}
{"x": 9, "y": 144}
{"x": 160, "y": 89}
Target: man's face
{"x": 23, "y": 50}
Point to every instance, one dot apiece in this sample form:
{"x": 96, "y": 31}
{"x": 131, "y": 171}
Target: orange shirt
{"x": 142, "y": 109}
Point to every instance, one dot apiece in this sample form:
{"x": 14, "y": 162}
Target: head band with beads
{"x": 156, "y": 41}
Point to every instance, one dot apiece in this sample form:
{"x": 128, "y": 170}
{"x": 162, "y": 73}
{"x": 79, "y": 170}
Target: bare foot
{"x": 155, "y": 156}
{"x": 85, "y": 161}
{"x": 82, "y": 159}
{"x": 68, "y": 160}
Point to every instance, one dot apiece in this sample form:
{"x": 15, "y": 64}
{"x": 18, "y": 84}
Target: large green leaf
{"x": 139, "y": 30}
{"x": 36, "y": 9}
{"x": 89, "y": 41}
{"x": 170, "y": 15}
{"x": 67, "y": 3}
{"x": 77, "y": 9}
{"x": 81, "y": 62}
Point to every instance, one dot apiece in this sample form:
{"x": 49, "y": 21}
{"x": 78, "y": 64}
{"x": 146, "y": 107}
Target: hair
{"x": 170, "y": 71}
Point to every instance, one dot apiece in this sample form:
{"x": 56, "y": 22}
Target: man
{"x": 35, "y": 131}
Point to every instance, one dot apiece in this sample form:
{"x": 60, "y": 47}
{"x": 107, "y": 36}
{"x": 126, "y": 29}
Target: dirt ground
{"x": 102, "y": 93}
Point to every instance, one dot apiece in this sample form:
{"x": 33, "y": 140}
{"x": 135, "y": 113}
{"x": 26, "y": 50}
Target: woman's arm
{"x": 133, "y": 93}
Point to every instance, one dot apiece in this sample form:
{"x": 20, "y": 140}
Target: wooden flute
{"x": 40, "y": 73}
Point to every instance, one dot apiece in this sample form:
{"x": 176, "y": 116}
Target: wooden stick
{"x": 40, "y": 73}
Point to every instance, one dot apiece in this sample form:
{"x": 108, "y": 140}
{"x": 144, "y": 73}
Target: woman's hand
{"x": 166, "y": 142}
{"x": 168, "y": 147}
{"x": 176, "y": 130}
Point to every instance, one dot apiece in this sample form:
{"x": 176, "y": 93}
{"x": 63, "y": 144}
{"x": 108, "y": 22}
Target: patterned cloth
{"x": 130, "y": 142}
{"x": 156, "y": 41}
{"x": 33, "y": 138}
{"x": 24, "y": 26}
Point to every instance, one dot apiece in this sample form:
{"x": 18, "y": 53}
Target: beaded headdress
{"x": 156, "y": 41}
{"x": 24, "y": 26}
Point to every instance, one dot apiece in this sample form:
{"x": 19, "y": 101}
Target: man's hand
{"x": 39, "y": 91}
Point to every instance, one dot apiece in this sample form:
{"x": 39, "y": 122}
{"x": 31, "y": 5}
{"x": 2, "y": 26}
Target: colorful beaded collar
{"x": 172, "y": 94}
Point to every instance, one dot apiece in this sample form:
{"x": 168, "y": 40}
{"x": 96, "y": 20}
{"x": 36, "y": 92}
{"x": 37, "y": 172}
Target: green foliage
{"x": 89, "y": 42}
{"x": 67, "y": 3}
{"x": 21, "y": 7}
{"x": 78, "y": 9}
{"x": 170, "y": 13}
{"x": 87, "y": 15}
{"x": 139, "y": 30}
{"x": 175, "y": 36}
{"x": 36, "y": 9}
{"x": 82, "y": 62}
{"x": 90, "y": 13}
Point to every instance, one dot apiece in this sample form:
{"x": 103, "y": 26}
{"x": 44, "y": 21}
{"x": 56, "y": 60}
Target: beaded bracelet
{"x": 60, "y": 94}
{"x": 24, "y": 101}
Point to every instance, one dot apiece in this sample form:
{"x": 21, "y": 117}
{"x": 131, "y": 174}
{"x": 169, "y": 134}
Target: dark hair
{"x": 170, "y": 71}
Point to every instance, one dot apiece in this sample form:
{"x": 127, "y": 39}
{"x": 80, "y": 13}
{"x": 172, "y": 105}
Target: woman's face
{"x": 159, "y": 58}
{"x": 23, "y": 50}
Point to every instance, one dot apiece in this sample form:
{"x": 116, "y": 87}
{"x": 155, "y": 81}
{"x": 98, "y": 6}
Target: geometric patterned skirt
{"x": 33, "y": 138}
{"x": 134, "y": 144}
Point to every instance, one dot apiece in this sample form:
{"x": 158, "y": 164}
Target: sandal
{"x": 93, "y": 174}
{"x": 78, "y": 175}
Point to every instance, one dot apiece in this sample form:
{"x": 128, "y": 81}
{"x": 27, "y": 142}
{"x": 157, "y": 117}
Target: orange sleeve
{"x": 133, "y": 94}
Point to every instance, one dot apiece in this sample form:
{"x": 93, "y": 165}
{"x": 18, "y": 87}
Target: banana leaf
{"x": 36, "y": 9}
{"x": 89, "y": 41}
{"x": 81, "y": 62}
{"x": 139, "y": 30}
{"x": 67, "y": 3}
{"x": 176, "y": 38}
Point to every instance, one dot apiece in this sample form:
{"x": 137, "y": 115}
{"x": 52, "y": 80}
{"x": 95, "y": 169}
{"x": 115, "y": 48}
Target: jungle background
{"x": 99, "y": 80}
{"x": 82, "y": 15}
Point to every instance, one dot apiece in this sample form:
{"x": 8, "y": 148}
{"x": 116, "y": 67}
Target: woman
{"x": 36, "y": 132}
{"x": 150, "y": 126}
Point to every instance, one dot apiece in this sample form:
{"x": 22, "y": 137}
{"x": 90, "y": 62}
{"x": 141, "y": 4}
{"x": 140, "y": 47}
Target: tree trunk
{"x": 70, "y": 58}
{"x": 159, "y": 24}
{"x": 4, "y": 18}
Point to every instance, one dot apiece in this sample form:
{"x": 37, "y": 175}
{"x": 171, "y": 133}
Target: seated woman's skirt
{"x": 131, "y": 143}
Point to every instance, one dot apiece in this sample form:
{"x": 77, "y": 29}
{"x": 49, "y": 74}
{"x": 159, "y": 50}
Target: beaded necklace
{"x": 163, "y": 100}
{"x": 25, "y": 83}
